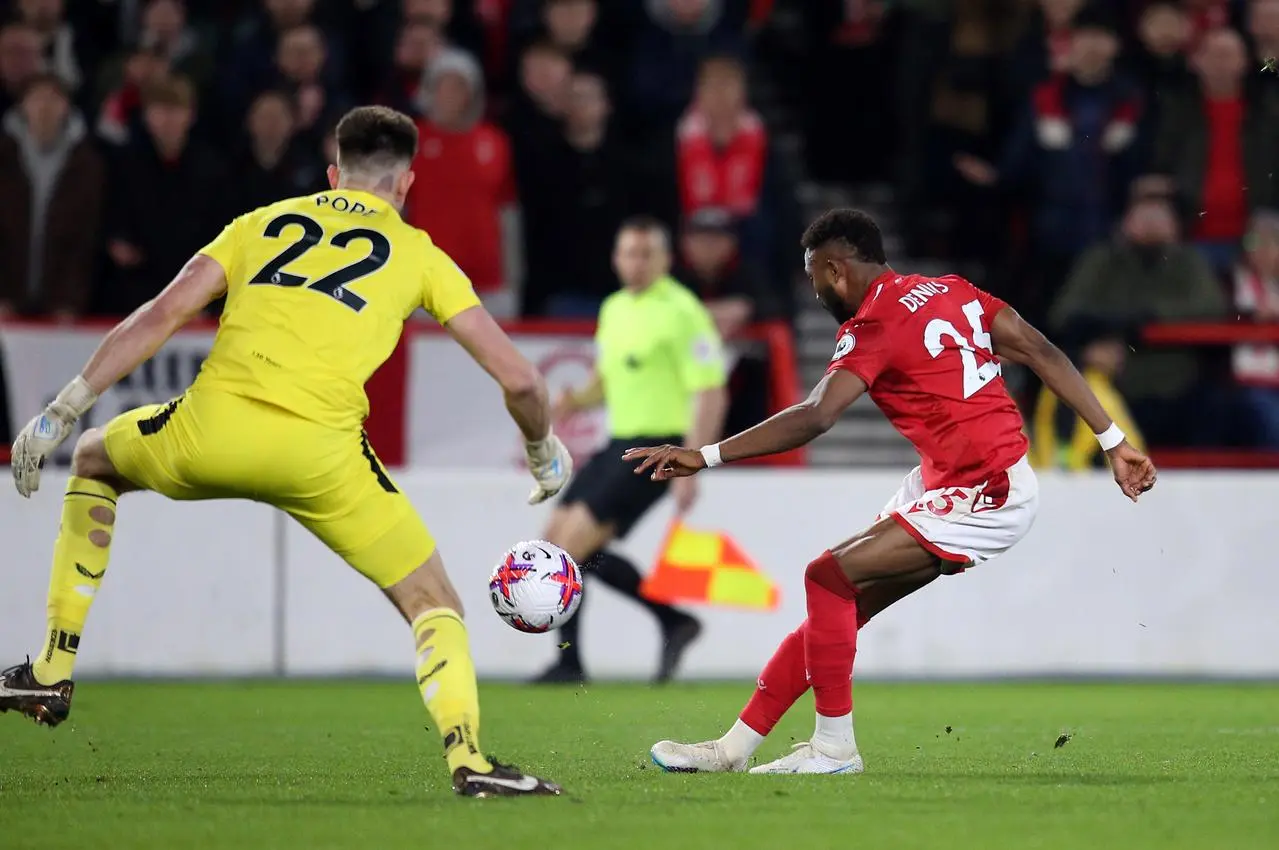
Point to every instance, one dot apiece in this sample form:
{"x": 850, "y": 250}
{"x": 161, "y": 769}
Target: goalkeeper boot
{"x": 48, "y": 705}
{"x": 502, "y": 781}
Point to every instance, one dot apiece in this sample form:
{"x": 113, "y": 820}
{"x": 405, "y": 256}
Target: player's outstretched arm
{"x": 1019, "y": 341}
{"x": 127, "y": 346}
{"x": 525, "y": 393}
{"x": 793, "y": 427}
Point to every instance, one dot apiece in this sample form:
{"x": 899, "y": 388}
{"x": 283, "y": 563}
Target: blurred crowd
{"x": 134, "y": 129}
{"x": 1104, "y": 164}
{"x": 1109, "y": 165}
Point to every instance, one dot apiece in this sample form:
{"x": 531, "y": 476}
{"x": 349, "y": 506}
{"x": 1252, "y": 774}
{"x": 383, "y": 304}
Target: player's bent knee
{"x": 826, "y": 571}
{"x": 90, "y": 460}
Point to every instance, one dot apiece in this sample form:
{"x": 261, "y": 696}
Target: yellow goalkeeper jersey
{"x": 319, "y": 288}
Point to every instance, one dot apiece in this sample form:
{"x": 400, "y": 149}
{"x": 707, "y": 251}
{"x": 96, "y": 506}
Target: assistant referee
{"x": 660, "y": 374}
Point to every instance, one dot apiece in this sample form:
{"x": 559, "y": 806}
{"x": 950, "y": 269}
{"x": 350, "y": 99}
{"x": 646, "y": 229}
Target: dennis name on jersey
{"x": 918, "y": 295}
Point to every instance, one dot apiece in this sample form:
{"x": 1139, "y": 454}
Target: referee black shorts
{"x": 610, "y": 489}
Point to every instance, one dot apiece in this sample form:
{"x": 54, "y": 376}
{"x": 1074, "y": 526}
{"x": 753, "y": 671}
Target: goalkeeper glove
{"x": 551, "y": 466}
{"x": 46, "y": 432}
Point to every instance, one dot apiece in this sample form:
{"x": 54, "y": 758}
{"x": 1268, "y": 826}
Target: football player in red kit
{"x": 928, "y": 350}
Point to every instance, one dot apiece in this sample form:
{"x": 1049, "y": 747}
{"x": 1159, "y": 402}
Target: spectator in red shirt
{"x": 722, "y": 143}
{"x": 1218, "y": 144}
{"x": 465, "y": 182}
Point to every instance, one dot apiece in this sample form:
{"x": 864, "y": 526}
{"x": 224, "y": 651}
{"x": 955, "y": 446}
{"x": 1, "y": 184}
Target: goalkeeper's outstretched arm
{"x": 132, "y": 342}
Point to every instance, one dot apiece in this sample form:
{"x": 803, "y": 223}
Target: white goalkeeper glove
{"x": 550, "y": 465}
{"x": 46, "y": 432}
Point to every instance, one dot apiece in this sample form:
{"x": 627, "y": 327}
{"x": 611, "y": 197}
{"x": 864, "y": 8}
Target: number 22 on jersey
{"x": 975, "y": 376}
{"x": 334, "y": 283}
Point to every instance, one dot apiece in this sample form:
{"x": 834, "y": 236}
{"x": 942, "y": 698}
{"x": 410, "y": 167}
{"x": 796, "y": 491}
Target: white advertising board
{"x": 1181, "y": 584}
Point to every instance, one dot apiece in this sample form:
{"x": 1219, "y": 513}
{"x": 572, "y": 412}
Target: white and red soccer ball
{"x": 536, "y": 587}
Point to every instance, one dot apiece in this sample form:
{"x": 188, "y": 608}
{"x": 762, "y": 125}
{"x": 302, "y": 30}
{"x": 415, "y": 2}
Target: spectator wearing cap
{"x": 168, "y": 198}
{"x": 1072, "y": 155}
{"x": 465, "y": 186}
{"x": 735, "y": 294}
{"x": 1256, "y": 296}
{"x": 1219, "y": 144}
{"x": 52, "y": 180}
{"x": 575, "y": 192}
{"x": 20, "y": 60}
{"x": 273, "y": 165}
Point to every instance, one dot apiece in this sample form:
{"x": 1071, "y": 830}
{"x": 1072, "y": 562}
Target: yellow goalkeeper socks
{"x": 79, "y": 561}
{"x": 446, "y": 678}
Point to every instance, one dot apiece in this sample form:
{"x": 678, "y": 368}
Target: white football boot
{"x": 706, "y": 757}
{"x": 808, "y": 758}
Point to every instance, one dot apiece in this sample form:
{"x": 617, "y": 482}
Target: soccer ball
{"x": 536, "y": 587}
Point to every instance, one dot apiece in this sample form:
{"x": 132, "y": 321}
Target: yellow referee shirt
{"x": 318, "y": 291}
{"x": 655, "y": 350}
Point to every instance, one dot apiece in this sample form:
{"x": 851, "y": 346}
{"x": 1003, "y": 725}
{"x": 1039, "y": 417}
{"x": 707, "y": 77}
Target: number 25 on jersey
{"x": 975, "y": 376}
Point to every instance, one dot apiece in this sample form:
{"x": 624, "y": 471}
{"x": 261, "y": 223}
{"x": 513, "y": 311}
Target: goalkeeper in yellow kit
{"x": 317, "y": 291}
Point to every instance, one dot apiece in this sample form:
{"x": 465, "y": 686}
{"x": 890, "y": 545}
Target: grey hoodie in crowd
{"x": 43, "y": 166}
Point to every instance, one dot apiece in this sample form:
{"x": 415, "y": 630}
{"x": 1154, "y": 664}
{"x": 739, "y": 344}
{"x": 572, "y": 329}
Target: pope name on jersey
{"x": 350, "y": 246}
{"x": 905, "y": 342}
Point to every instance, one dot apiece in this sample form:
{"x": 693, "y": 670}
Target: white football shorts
{"x": 965, "y": 526}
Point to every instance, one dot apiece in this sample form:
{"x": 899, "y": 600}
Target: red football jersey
{"x": 922, "y": 345}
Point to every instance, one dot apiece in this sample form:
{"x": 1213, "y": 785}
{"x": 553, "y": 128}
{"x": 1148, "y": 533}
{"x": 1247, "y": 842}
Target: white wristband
{"x": 710, "y": 454}
{"x": 74, "y": 400}
{"x": 1111, "y": 437}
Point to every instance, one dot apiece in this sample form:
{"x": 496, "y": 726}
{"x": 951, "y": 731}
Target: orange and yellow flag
{"x": 708, "y": 567}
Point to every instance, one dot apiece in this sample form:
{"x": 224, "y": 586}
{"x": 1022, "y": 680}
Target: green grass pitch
{"x": 347, "y": 764}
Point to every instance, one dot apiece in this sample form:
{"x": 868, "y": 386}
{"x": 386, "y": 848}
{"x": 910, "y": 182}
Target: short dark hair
{"x": 1097, "y": 17}
{"x": 854, "y": 228}
{"x": 376, "y": 137}
{"x": 646, "y": 224}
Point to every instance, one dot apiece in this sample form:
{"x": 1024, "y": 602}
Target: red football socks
{"x": 830, "y": 635}
{"x": 781, "y": 682}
